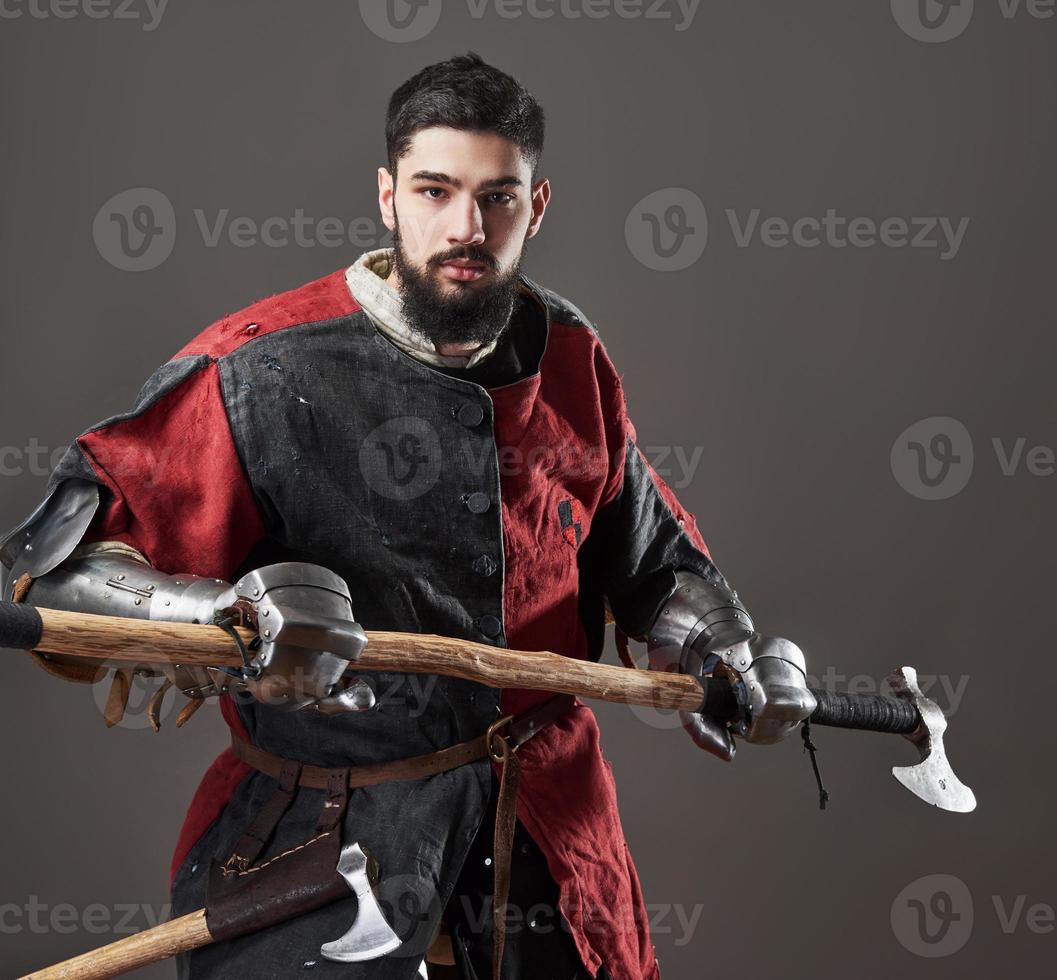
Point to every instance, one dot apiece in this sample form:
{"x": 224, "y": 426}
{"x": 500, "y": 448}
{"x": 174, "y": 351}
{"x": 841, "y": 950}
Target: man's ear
{"x": 386, "y": 191}
{"x": 541, "y": 194}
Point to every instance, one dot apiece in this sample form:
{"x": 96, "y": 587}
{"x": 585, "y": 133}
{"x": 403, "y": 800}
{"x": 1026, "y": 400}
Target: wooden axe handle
{"x": 178, "y": 936}
{"x": 116, "y": 641}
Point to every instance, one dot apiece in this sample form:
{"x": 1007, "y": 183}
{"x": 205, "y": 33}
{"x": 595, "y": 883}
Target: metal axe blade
{"x": 370, "y": 935}
{"x": 932, "y": 779}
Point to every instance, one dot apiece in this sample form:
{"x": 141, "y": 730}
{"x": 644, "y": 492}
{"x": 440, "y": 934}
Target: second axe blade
{"x": 292, "y": 886}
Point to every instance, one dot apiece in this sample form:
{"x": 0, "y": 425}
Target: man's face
{"x": 462, "y": 210}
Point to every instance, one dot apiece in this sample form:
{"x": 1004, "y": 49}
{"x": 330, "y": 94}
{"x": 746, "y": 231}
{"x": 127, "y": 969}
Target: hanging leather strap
{"x": 505, "y": 816}
{"x": 257, "y": 834}
{"x": 336, "y": 801}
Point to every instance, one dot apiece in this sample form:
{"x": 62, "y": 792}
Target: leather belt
{"x": 499, "y": 743}
{"x": 517, "y": 730}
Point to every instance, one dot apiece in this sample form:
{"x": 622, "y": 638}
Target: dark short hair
{"x": 464, "y": 93}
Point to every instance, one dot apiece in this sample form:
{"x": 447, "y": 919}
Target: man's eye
{"x": 428, "y": 191}
{"x": 499, "y": 197}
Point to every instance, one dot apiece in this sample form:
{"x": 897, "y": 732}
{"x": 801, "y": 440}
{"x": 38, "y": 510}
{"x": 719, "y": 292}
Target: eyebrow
{"x": 508, "y": 181}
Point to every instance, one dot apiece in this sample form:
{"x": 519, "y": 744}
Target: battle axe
{"x": 68, "y": 637}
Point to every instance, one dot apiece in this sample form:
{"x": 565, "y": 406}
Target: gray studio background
{"x": 797, "y": 370}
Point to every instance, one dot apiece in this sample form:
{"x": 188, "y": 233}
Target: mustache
{"x": 472, "y": 253}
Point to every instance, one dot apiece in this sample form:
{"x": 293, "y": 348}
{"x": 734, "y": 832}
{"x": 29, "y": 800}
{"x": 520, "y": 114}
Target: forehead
{"x": 463, "y": 154}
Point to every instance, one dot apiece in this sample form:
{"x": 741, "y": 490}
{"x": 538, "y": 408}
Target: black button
{"x": 477, "y": 503}
{"x": 471, "y": 414}
{"x": 484, "y": 565}
{"x": 490, "y": 626}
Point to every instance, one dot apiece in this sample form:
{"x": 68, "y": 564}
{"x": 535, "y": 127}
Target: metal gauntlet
{"x": 704, "y": 629}
{"x": 307, "y": 635}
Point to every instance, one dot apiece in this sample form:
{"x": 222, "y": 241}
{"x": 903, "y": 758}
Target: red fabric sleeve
{"x": 178, "y": 491}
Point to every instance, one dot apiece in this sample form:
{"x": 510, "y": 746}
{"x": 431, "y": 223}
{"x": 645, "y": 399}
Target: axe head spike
{"x": 370, "y": 935}
{"x": 932, "y": 779}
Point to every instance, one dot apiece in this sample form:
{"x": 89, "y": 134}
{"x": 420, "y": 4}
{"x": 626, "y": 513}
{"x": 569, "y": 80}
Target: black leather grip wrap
{"x": 20, "y": 626}
{"x": 868, "y": 712}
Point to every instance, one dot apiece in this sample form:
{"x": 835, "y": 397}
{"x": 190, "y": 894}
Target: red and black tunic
{"x": 503, "y": 504}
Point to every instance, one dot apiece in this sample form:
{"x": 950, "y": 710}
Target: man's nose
{"x": 467, "y": 224}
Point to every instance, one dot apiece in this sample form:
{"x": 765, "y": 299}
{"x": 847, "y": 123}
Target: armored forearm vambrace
{"x": 696, "y": 612}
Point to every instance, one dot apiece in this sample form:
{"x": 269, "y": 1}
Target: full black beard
{"x": 470, "y": 315}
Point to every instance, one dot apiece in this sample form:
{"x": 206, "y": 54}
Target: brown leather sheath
{"x": 292, "y": 884}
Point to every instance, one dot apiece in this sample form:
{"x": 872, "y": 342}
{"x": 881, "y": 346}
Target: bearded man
{"x": 448, "y": 439}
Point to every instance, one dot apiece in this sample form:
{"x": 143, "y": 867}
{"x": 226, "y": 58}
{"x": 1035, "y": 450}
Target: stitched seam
{"x": 261, "y": 867}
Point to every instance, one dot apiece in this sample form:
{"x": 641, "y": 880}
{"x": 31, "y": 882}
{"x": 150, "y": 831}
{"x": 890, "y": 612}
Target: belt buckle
{"x": 236, "y": 864}
{"x": 493, "y": 732}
